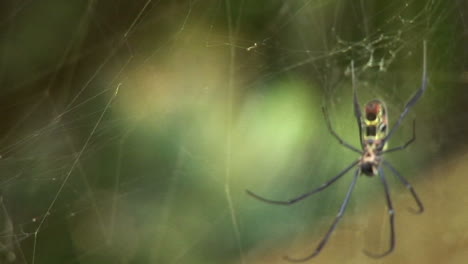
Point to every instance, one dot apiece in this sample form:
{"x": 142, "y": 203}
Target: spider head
{"x": 367, "y": 169}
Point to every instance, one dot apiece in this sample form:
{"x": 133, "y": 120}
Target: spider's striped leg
{"x": 408, "y": 186}
{"x": 356, "y": 106}
{"x": 333, "y": 226}
{"x": 307, "y": 194}
{"x": 391, "y": 214}
{"x": 341, "y": 141}
{"x": 412, "y": 139}
{"x": 413, "y": 99}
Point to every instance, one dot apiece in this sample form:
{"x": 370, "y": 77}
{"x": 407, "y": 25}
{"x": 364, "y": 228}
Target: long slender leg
{"x": 357, "y": 107}
{"x": 413, "y": 138}
{"x": 305, "y": 195}
{"x": 341, "y": 141}
{"x": 324, "y": 240}
{"x": 391, "y": 215}
{"x": 409, "y": 187}
{"x": 413, "y": 99}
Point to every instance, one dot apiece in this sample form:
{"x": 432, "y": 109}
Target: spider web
{"x": 131, "y": 129}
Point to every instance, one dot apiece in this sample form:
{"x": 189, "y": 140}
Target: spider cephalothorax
{"x": 370, "y": 160}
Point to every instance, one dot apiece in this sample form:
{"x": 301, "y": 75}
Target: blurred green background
{"x": 131, "y": 129}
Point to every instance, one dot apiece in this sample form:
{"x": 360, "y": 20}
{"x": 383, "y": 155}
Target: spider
{"x": 374, "y": 135}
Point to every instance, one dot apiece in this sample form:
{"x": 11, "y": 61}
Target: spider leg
{"x": 413, "y": 99}
{"x": 324, "y": 240}
{"x": 413, "y": 138}
{"x": 341, "y": 141}
{"x": 307, "y": 194}
{"x": 409, "y": 187}
{"x": 356, "y": 106}
{"x": 391, "y": 214}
